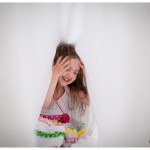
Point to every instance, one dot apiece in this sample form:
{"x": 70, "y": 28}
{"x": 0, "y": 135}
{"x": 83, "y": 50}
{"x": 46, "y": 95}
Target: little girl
{"x": 66, "y": 118}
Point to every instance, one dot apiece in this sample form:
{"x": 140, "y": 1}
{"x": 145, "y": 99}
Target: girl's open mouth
{"x": 65, "y": 79}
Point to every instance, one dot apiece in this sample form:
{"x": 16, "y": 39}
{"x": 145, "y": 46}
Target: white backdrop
{"x": 115, "y": 47}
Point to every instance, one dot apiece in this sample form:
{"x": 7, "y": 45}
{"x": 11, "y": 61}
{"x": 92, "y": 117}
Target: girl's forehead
{"x": 75, "y": 64}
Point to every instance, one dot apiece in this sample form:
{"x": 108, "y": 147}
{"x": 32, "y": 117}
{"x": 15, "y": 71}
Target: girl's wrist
{"x": 54, "y": 77}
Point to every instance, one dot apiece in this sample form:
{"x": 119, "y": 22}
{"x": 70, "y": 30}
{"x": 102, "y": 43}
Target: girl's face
{"x": 70, "y": 74}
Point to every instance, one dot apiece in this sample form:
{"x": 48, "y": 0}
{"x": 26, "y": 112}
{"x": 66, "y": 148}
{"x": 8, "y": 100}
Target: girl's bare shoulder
{"x": 83, "y": 97}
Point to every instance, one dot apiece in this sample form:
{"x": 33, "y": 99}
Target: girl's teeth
{"x": 66, "y": 79}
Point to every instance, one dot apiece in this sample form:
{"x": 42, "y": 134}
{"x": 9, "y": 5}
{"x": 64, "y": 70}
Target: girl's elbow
{"x": 45, "y": 106}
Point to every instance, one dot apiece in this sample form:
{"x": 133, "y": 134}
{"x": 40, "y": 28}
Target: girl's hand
{"x": 61, "y": 66}
{"x": 83, "y": 69}
{"x": 82, "y": 66}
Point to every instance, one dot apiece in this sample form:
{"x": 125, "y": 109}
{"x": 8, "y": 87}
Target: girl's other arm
{"x": 50, "y": 92}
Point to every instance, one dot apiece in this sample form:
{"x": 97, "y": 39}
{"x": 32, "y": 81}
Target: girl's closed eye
{"x": 68, "y": 69}
{"x": 75, "y": 73}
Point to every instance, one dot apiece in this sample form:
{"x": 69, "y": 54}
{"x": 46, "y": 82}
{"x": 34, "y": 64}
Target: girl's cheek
{"x": 74, "y": 79}
{"x": 65, "y": 73}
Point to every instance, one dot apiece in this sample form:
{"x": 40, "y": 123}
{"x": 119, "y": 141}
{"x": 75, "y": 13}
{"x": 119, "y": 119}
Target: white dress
{"x": 80, "y": 131}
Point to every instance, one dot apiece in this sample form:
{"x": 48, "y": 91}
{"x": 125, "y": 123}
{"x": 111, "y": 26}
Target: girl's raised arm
{"x": 58, "y": 69}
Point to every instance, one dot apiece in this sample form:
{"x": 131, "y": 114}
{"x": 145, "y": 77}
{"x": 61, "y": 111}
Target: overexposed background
{"x": 115, "y": 47}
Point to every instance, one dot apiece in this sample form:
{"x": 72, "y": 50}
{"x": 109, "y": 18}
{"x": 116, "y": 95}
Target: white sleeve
{"x": 91, "y": 137}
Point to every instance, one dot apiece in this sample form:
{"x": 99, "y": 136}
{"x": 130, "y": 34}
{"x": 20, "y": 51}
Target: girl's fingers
{"x": 81, "y": 66}
{"x": 81, "y": 62}
{"x": 66, "y": 70}
{"x": 64, "y": 60}
{"x": 59, "y": 59}
{"x": 67, "y": 66}
{"x": 66, "y": 63}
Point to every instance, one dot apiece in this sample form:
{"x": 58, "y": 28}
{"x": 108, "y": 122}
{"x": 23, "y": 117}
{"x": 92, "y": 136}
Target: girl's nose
{"x": 71, "y": 74}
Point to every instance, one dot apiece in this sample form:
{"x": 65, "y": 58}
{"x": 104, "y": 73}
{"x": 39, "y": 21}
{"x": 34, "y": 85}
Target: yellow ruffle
{"x": 73, "y": 131}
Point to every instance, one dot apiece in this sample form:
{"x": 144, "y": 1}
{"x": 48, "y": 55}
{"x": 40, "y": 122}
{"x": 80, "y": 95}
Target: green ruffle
{"x": 50, "y": 135}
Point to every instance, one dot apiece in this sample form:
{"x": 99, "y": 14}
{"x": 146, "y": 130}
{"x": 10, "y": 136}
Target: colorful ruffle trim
{"x": 55, "y": 122}
{"x": 81, "y": 132}
{"x": 50, "y": 135}
{"x": 68, "y": 129}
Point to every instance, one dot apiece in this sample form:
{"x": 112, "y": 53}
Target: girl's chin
{"x": 63, "y": 84}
